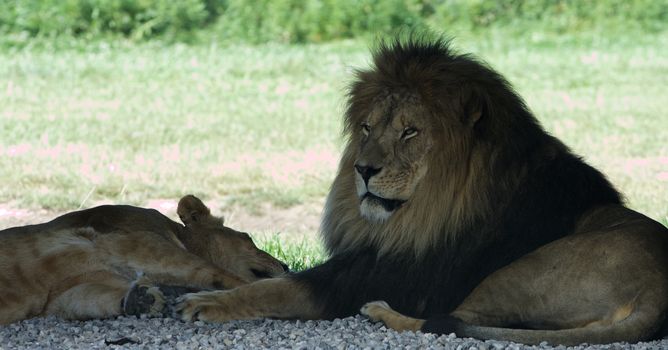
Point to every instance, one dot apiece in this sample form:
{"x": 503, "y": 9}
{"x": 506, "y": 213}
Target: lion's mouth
{"x": 387, "y": 204}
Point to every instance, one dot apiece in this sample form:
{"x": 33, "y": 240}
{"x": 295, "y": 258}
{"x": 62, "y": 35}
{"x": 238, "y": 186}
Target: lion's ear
{"x": 191, "y": 210}
{"x": 473, "y": 105}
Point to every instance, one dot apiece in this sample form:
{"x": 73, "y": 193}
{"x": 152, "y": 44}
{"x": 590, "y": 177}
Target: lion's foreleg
{"x": 277, "y": 298}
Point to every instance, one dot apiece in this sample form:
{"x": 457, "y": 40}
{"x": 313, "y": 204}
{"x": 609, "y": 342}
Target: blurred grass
{"x": 124, "y": 122}
{"x": 308, "y": 21}
{"x": 133, "y": 122}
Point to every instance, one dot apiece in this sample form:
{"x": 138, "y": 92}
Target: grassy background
{"x": 300, "y": 21}
{"x": 100, "y": 114}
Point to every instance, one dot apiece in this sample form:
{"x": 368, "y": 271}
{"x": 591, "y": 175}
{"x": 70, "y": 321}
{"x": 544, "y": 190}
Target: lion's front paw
{"x": 204, "y": 306}
{"x": 375, "y": 310}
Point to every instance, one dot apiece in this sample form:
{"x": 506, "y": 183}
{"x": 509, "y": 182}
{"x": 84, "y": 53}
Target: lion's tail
{"x": 636, "y": 327}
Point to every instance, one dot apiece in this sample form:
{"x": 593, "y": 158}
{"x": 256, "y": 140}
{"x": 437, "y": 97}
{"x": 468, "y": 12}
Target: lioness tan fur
{"x": 452, "y": 205}
{"x": 83, "y": 264}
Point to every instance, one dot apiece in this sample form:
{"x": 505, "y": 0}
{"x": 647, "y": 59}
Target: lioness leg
{"x": 278, "y": 297}
{"x": 89, "y": 296}
{"x": 16, "y": 306}
{"x": 103, "y": 294}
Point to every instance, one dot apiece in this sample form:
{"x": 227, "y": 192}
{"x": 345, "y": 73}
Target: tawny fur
{"x": 82, "y": 265}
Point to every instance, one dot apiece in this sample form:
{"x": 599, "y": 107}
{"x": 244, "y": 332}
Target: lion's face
{"x": 394, "y": 141}
{"x": 410, "y": 173}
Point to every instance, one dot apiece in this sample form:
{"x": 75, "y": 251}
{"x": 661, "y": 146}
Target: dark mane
{"x": 446, "y": 80}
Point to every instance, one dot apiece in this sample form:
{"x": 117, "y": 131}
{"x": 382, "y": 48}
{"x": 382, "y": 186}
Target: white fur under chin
{"x": 374, "y": 212}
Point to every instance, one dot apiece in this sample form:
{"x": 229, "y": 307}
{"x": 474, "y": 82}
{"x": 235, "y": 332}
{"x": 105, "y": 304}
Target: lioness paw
{"x": 144, "y": 299}
{"x": 203, "y": 306}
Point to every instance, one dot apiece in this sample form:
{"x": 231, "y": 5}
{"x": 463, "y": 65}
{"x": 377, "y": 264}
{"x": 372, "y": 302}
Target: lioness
{"x": 84, "y": 264}
{"x": 452, "y": 204}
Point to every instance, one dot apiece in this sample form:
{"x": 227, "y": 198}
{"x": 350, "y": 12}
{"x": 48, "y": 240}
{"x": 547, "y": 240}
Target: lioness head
{"x": 234, "y": 251}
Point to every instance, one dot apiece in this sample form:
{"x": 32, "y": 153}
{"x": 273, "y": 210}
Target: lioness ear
{"x": 191, "y": 209}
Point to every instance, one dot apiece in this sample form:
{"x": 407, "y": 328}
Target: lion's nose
{"x": 366, "y": 172}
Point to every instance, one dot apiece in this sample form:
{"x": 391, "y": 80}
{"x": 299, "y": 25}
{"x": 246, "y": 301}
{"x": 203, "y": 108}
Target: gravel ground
{"x": 165, "y": 333}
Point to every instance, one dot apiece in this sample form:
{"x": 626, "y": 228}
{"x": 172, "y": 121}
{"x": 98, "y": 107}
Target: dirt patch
{"x": 11, "y": 215}
{"x": 299, "y": 219}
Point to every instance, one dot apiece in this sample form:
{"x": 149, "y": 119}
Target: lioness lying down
{"x": 87, "y": 264}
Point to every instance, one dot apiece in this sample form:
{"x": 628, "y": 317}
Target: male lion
{"x": 86, "y": 264}
{"x": 452, "y": 204}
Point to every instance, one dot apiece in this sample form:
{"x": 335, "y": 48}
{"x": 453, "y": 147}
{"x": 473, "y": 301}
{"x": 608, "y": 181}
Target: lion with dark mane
{"x": 455, "y": 207}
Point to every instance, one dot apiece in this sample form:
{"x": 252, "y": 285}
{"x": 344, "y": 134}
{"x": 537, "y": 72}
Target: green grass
{"x": 119, "y": 122}
{"x": 298, "y": 255}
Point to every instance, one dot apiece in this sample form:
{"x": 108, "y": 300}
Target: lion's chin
{"x": 378, "y": 209}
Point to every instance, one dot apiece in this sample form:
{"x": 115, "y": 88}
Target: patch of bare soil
{"x": 11, "y": 216}
{"x": 302, "y": 219}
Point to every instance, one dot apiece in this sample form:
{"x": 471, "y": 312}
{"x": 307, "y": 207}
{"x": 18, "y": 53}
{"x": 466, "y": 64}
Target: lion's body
{"x": 460, "y": 264}
{"x": 83, "y": 264}
{"x": 448, "y": 189}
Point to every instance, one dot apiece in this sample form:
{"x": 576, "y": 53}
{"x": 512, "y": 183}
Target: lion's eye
{"x": 408, "y": 133}
{"x": 366, "y": 129}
